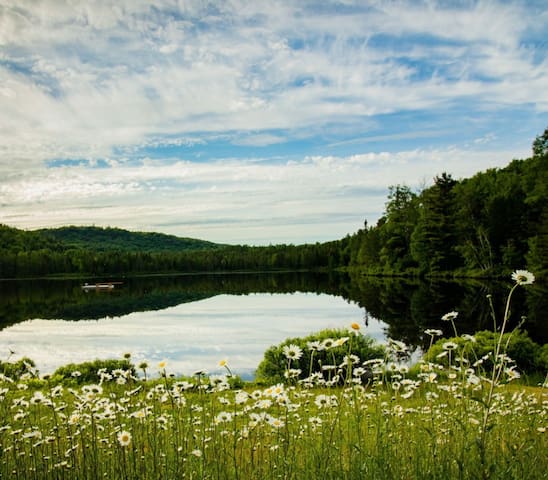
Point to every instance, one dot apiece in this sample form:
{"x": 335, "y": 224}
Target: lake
{"x": 194, "y": 321}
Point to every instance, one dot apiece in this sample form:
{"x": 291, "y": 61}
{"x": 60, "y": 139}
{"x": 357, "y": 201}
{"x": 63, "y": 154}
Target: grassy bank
{"x": 388, "y": 426}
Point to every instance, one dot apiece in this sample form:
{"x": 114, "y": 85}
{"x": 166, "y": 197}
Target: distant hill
{"x": 14, "y": 240}
{"x": 108, "y": 239}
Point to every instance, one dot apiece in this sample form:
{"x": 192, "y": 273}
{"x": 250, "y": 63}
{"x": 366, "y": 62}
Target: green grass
{"x": 388, "y": 427}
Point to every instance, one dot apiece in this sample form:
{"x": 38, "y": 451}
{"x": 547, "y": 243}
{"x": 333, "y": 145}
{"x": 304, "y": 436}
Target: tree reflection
{"x": 406, "y": 306}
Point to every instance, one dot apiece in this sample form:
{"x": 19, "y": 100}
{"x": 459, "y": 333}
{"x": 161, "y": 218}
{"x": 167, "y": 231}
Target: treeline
{"x": 26, "y": 254}
{"x": 485, "y": 225}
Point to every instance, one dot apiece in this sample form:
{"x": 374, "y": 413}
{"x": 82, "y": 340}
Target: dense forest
{"x": 486, "y": 225}
{"x": 105, "y": 239}
{"x": 99, "y": 251}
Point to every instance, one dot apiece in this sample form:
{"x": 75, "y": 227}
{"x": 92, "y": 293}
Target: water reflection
{"x": 191, "y": 336}
{"x": 194, "y": 320}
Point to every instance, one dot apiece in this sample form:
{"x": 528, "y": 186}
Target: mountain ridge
{"x": 113, "y": 238}
{"x": 99, "y": 239}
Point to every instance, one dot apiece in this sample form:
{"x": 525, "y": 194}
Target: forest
{"x": 483, "y": 226}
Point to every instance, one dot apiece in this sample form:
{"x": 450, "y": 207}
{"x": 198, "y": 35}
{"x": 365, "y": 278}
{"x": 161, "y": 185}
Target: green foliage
{"x": 274, "y": 364}
{"x": 114, "y": 252}
{"x": 16, "y": 369}
{"x": 88, "y": 372}
{"x": 486, "y": 225}
{"x": 528, "y": 356}
{"x": 164, "y": 429}
{"x": 540, "y": 145}
{"x": 542, "y": 358}
{"x": 402, "y": 214}
{"x": 104, "y": 239}
{"x": 433, "y": 240}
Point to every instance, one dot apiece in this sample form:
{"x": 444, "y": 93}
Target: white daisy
{"x": 523, "y": 277}
{"x": 292, "y": 352}
{"x": 124, "y": 438}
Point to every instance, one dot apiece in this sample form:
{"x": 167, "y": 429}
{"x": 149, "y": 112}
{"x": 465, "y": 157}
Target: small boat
{"x": 99, "y": 286}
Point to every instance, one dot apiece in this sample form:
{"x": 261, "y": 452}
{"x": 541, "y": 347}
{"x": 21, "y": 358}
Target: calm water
{"x": 191, "y": 336}
{"x": 195, "y": 321}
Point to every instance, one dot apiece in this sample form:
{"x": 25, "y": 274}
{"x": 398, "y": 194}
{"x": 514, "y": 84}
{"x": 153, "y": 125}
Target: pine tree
{"x": 434, "y": 238}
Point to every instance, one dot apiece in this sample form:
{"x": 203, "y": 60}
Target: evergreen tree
{"x": 401, "y": 217}
{"x": 434, "y": 238}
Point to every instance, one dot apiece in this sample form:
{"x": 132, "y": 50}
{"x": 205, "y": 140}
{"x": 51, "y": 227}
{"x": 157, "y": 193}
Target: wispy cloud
{"x": 231, "y": 109}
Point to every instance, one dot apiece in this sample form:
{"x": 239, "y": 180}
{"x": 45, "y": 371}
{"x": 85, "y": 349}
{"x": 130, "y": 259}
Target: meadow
{"x": 456, "y": 415}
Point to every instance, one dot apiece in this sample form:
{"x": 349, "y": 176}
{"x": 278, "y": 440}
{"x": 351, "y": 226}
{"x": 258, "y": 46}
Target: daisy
{"x": 264, "y": 404}
{"x": 241, "y": 397}
{"x": 124, "y": 437}
{"x": 275, "y": 422}
{"x": 512, "y": 373}
{"x": 292, "y": 373}
{"x": 38, "y": 398}
{"x": 74, "y": 419}
{"x": 450, "y": 316}
{"x": 433, "y": 332}
{"x": 523, "y": 277}
{"x": 341, "y": 341}
{"x": 469, "y": 338}
{"x": 292, "y": 352}
{"x": 315, "y": 345}
{"x": 256, "y": 394}
{"x": 277, "y": 390}
{"x": 449, "y": 346}
{"x": 322, "y": 401}
{"x": 397, "y": 346}
{"x": 223, "y": 417}
{"x": 315, "y": 421}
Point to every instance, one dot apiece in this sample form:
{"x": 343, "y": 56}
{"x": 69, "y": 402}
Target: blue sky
{"x": 257, "y": 122}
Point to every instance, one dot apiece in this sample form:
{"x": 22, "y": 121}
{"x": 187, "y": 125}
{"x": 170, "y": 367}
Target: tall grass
{"x": 455, "y": 418}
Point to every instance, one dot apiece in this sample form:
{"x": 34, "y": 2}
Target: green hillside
{"x": 14, "y": 240}
{"x": 107, "y": 239}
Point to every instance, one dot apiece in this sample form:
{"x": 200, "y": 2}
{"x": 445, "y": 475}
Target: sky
{"x": 257, "y": 122}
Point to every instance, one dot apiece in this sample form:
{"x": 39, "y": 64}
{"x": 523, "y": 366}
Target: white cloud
{"x": 101, "y": 59}
{"x": 104, "y": 81}
{"x": 234, "y": 201}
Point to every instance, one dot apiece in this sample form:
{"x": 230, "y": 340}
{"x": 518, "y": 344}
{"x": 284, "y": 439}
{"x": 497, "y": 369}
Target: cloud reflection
{"x": 190, "y": 336}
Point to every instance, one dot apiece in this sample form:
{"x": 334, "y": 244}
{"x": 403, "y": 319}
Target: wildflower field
{"x": 455, "y": 416}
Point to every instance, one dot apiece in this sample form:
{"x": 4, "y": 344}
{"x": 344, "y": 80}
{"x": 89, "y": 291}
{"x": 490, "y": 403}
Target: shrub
{"x": 16, "y": 369}
{"x": 274, "y": 364}
{"x": 88, "y": 372}
{"x": 527, "y": 354}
